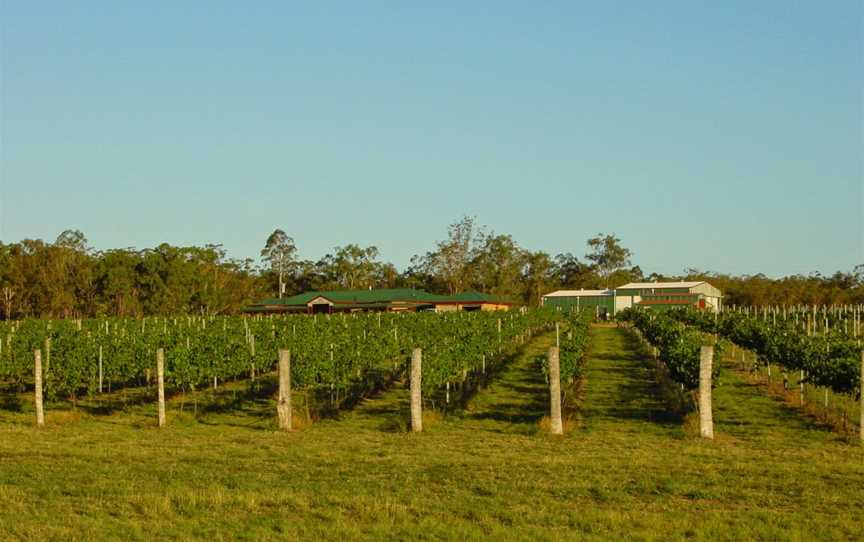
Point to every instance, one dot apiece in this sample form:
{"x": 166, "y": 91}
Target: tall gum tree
{"x": 608, "y": 255}
{"x": 279, "y": 252}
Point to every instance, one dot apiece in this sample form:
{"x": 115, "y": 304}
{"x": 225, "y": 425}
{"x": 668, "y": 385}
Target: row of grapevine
{"x": 843, "y": 320}
{"x": 327, "y": 351}
{"x": 572, "y": 345}
{"x": 829, "y": 359}
{"x": 678, "y": 345}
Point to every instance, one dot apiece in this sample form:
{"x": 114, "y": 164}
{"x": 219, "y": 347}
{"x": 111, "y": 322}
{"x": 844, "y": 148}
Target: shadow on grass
{"x": 624, "y": 380}
{"x": 11, "y": 402}
{"x": 245, "y": 398}
{"x": 516, "y": 413}
{"x": 621, "y": 356}
{"x": 519, "y": 396}
{"x": 748, "y": 408}
{"x": 377, "y": 394}
{"x": 388, "y": 410}
{"x": 395, "y": 423}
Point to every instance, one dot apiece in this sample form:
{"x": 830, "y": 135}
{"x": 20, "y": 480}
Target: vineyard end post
{"x": 416, "y": 390}
{"x": 37, "y": 377}
{"x": 706, "y": 418}
{"x": 556, "y": 426}
{"x": 283, "y": 406}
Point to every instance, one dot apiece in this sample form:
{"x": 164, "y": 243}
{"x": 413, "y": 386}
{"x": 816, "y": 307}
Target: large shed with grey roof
{"x": 655, "y": 295}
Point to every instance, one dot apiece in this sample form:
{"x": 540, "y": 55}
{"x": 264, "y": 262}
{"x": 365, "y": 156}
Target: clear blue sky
{"x": 720, "y": 135}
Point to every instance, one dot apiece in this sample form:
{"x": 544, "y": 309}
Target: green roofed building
{"x": 391, "y": 299}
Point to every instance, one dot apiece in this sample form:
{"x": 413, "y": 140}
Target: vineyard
{"x": 573, "y": 346}
{"x": 342, "y": 357}
{"x": 486, "y": 449}
{"x": 333, "y": 356}
{"x": 816, "y": 347}
{"x": 676, "y": 345}
{"x": 828, "y": 355}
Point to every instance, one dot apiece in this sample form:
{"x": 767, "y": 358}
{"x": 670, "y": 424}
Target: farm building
{"x": 697, "y": 294}
{"x": 581, "y": 299}
{"x": 658, "y": 295}
{"x": 391, "y": 300}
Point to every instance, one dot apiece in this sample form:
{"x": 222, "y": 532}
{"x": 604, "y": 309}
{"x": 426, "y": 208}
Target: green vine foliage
{"x": 330, "y": 351}
{"x": 573, "y": 346}
{"x": 679, "y": 345}
{"x": 831, "y": 360}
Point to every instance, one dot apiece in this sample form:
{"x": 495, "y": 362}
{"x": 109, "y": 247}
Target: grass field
{"x": 626, "y": 470}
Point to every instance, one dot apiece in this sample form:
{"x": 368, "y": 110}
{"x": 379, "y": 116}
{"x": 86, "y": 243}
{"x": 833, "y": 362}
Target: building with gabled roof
{"x": 385, "y": 299}
{"x": 659, "y": 295}
{"x": 697, "y": 294}
{"x": 601, "y": 300}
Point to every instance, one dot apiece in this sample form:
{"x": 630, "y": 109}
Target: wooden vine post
{"x": 283, "y": 406}
{"x": 160, "y": 384}
{"x": 706, "y": 419}
{"x": 37, "y": 377}
{"x": 556, "y": 426}
{"x": 416, "y": 390}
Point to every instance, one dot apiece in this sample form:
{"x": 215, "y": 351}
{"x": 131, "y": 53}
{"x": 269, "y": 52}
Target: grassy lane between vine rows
{"x": 628, "y": 471}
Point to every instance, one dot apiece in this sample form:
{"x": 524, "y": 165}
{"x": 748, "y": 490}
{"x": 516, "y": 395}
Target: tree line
{"x": 68, "y": 279}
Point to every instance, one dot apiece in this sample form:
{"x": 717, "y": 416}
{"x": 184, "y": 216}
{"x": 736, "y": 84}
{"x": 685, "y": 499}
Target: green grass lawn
{"x": 627, "y": 470}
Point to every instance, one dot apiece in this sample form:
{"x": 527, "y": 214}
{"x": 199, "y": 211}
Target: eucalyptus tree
{"x": 538, "y": 276}
{"x": 73, "y": 264}
{"x": 350, "y": 266}
{"x": 571, "y": 273}
{"x": 119, "y": 284}
{"x": 8, "y": 291}
{"x": 608, "y": 255}
{"x": 279, "y": 252}
{"x": 498, "y": 266}
{"x": 450, "y": 267}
